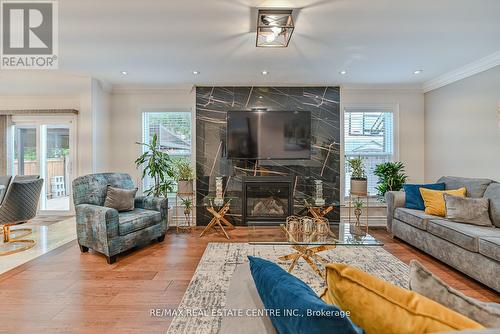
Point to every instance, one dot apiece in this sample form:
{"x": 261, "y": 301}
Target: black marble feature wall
{"x": 212, "y": 104}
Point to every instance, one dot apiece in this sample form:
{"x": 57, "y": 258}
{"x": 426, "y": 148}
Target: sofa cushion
{"x": 416, "y": 218}
{"x": 243, "y": 295}
{"x": 414, "y": 199}
{"x": 490, "y": 247}
{"x": 423, "y": 281}
{"x": 138, "y": 219}
{"x": 493, "y": 194}
{"x": 434, "y": 200}
{"x": 475, "y": 186}
{"x": 468, "y": 210}
{"x": 381, "y": 307}
{"x": 281, "y": 291}
{"x": 464, "y": 235}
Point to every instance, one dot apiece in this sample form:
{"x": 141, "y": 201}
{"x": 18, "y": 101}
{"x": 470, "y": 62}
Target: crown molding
{"x": 463, "y": 72}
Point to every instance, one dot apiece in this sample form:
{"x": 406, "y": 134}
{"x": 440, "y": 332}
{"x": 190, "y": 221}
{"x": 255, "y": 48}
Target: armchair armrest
{"x": 95, "y": 225}
{"x": 159, "y": 204}
{"x": 394, "y": 199}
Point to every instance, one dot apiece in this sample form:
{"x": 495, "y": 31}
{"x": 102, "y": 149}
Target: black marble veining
{"x": 212, "y": 104}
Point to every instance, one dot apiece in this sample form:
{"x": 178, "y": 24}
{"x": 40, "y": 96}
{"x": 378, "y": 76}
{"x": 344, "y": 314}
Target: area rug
{"x": 207, "y": 289}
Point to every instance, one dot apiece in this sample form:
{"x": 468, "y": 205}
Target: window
{"x": 368, "y": 133}
{"x": 173, "y": 129}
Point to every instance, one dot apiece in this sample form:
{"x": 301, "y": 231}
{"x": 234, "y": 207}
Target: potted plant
{"x": 358, "y": 210}
{"x": 359, "y": 184}
{"x": 157, "y": 165}
{"x": 391, "y": 177}
{"x": 188, "y": 206}
{"x": 184, "y": 176}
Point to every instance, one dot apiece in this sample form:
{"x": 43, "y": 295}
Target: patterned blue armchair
{"x": 108, "y": 231}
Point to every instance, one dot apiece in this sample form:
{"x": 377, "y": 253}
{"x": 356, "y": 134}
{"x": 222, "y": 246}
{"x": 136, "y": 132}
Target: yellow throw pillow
{"x": 378, "y": 306}
{"x": 434, "y": 200}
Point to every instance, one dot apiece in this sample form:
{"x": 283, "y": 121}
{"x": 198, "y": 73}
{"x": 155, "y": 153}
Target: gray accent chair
{"x": 19, "y": 205}
{"x": 473, "y": 250}
{"x": 108, "y": 231}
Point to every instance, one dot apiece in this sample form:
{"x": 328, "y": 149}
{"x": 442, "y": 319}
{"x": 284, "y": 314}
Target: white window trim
{"x": 366, "y": 107}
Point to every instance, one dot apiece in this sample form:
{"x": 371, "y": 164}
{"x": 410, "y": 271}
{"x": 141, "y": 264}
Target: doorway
{"x": 45, "y": 146}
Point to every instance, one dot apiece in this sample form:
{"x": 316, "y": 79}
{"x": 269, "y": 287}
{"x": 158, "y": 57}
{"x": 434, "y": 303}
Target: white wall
{"x": 101, "y": 125}
{"x": 126, "y": 122}
{"x": 462, "y": 130}
{"x": 410, "y": 104}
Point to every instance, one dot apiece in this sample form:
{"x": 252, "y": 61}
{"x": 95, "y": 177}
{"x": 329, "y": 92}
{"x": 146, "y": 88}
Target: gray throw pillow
{"x": 426, "y": 283}
{"x": 468, "y": 210}
{"x": 120, "y": 199}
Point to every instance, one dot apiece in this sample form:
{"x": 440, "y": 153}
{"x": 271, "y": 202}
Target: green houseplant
{"x": 184, "y": 176}
{"x": 391, "y": 177}
{"x": 188, "y": 206}
{"x": 359, "y": 184}
{"x": 157, "y": 165}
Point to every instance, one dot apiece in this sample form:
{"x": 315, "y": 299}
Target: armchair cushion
{"x": 138, "y": 219}
{"x": 159, "y": 204}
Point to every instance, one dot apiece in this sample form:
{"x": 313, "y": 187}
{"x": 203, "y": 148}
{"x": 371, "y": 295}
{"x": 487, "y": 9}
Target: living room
{"x": 182, "y": 167}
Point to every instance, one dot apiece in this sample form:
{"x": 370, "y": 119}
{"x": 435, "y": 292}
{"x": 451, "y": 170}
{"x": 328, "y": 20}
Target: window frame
{"x": 367, "y": 107}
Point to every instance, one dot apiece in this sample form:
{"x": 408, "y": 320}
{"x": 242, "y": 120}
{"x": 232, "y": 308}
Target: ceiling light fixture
{"x": 417, "y": 71}
{"x": 124, "y": 72}
{"x": 196, "y": 72}
{"x": 343, "y": 72}
{"x": 265, "y": 72}
{"x": 274, "y": 28}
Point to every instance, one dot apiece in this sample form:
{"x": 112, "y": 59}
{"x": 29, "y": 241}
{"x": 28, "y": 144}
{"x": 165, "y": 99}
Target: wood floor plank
{"x": 66, "y": 291}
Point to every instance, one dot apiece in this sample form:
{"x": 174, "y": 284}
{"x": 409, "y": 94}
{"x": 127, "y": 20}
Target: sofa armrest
{"x": 394, "y": 199}
{"x": 159, "y": 204}
{"x": 95, "y": 225}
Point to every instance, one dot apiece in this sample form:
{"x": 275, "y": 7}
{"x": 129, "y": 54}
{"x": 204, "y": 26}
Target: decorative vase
{"x": 319, "y": 200}
{"x": 219, "y": 199}
{"x": 359, "y": 187}
{"x": 185, "y": 187}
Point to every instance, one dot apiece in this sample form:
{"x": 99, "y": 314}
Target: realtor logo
{"x": 29, "y": 35}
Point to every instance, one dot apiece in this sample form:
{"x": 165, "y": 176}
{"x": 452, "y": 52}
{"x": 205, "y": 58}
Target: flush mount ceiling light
{"x": 343, "y": 72}
{"x": 124, "y": 72}
{"x": 417, "y": 72}
{"x": 274, "y": 28}
{"x": 196, "y": 72}
{"x": 264, "y": 72}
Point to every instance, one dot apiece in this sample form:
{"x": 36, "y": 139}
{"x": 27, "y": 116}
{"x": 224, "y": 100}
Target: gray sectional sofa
{"x": 473, "y": 250}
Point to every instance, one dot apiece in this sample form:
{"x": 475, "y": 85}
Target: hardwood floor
{"x": 65, "y": 291}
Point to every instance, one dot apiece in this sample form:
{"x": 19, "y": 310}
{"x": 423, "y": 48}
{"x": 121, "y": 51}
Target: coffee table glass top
{"x": 342, "y": 234}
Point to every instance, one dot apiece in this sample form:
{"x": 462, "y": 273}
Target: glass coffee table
{"x": 308, "y": 242}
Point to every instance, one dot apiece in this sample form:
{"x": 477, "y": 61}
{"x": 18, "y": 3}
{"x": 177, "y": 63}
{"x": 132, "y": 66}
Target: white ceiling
{"x": 376, "y": 41}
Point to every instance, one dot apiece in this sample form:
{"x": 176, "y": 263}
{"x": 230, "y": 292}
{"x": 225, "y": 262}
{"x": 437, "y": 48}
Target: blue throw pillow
{"x": 292, "y": 305}
{"x": 414, "y": 199}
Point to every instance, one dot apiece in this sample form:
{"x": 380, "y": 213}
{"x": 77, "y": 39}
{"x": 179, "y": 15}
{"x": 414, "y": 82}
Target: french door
{"x": 45, "y": 146}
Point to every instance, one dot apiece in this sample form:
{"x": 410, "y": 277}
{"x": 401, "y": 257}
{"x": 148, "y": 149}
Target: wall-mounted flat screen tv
{"x": 264, "y": 135}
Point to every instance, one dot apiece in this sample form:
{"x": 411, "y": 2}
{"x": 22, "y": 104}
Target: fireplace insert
{"x": 267, "y": 199}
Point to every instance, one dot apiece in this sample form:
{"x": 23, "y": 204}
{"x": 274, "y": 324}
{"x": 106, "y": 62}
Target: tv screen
{"x": 269, "y": 135}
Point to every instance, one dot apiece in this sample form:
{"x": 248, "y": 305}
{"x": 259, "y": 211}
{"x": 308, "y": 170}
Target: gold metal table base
{"x": 11, "y": 242}
{"x": 309, "y": 254}
{"x": 218, "y": 220}
{"x": 319, "y": 212}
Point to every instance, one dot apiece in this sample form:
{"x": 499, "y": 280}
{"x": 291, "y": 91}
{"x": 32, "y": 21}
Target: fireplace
{"x": 267, "y": 199}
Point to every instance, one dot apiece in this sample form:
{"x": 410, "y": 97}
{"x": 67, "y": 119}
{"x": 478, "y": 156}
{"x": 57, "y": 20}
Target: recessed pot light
{"x": 196, "y": 72}
{"x": 124, "y": 72}
{"x": 417, "y": 71}
{"x": 343, "y": 72}
{"x": 265, "y": 72}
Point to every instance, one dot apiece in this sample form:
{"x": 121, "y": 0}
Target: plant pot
{"x": 185, "y": 187}
{"x": 359, "y": 187}
{"x": 187, "y": 212}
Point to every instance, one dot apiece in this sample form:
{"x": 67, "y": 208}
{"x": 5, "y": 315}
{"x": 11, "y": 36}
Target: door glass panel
{"x": 57, "y": 168}
{"x": 25, "y": 152}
